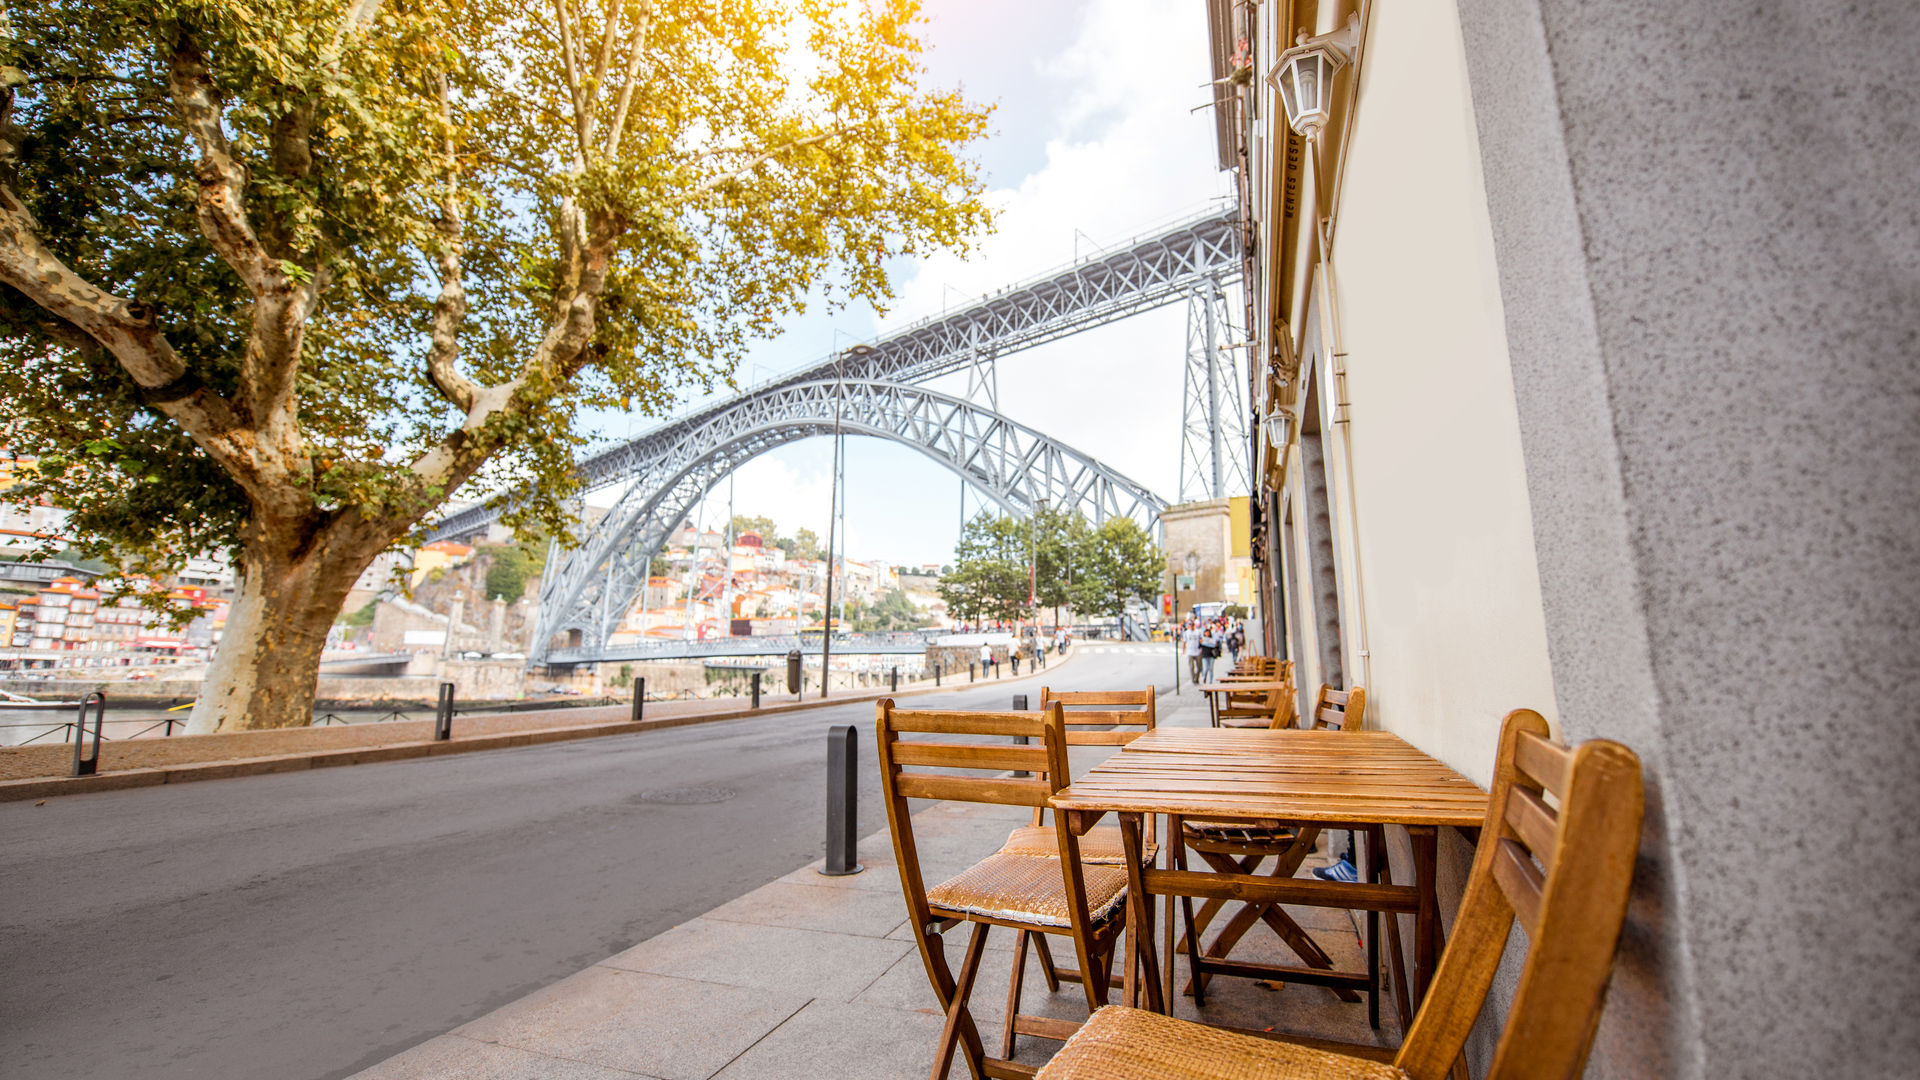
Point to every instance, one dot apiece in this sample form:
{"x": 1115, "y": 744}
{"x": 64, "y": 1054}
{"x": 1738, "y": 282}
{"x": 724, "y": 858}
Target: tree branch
{"x": 607, "y": 37}
{"x": 450, "y": 308}
{"x": 358, "y": 18}
{"x": 573, "y": 83}
{"x": 634, "y": 47}
{"x": 124, "y": 328}
{"x": 761, "y": 158}
{"x": 222, "y": 207}
{"x": 587, "y": 248}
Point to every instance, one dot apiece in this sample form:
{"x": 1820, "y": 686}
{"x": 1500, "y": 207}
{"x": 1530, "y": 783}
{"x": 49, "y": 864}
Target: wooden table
{"x": 1317, "y": 779}
{"x": 1213, "y": 690}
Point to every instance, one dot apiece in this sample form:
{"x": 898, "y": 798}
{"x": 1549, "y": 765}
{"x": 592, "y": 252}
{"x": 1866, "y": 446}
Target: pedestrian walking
{"x": 1209, "y": 650}
{"x": 1190, "y": 643}
{"x": 1236, "y": 640}
{"x": 986, "y": 661}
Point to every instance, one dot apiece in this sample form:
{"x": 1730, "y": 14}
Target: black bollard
{"x": 936, "y": 674}
{"x": 756, "y": 689}
{"x": 1020, "y": 705}
{"x": 893, "y": 681}
{"x": 443, "y": 716}
{"x": 843, "y": 793}
{"x": 88, "y": 766}
{"x": 639, "y": 699}
{"x": 969, "y": 671}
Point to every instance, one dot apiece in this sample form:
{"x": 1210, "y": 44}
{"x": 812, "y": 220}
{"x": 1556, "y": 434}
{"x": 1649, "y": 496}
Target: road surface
{"x": 307, "y": 925}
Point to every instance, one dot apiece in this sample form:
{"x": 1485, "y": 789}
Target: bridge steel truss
{"x": 591, "y": 588}
{"x": 1194, "y": 257}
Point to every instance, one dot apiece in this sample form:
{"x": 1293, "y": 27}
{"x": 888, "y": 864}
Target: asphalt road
{"x": 308, "y": 925}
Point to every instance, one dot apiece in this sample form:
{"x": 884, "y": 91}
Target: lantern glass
{"x": 1301, "y": 78}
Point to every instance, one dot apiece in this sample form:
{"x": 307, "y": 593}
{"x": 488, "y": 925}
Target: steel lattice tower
{"x": 1213, "y": 427}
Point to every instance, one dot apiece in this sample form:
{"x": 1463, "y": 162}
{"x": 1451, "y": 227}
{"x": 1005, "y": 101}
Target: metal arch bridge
{"x": 1196, "y": 255}
{"x": 588, "y": 590}
{"x": 1012, "y": 464}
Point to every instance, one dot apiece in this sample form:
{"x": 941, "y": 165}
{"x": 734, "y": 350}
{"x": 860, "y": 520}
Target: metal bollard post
{"x": 756, "y": 689}
{"x": 87, "y": 766}
{"x": 969, "y": 671}
{"x": 443, "y": 717}
{"x": 843, "y": 793}
{"x": 639, "y": 699}
{"x": 893, "y": 682}
{"x": 1020, "y": 705}
{"x": 936, "y": 674}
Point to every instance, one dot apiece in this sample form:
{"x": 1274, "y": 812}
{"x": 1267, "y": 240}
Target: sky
{"x": 1093, "y": 140}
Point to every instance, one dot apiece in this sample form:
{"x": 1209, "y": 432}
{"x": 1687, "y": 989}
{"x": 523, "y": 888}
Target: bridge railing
{"x": 896, "y": 641}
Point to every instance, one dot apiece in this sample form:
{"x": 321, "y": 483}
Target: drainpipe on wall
{"x": 1336, "y": 347}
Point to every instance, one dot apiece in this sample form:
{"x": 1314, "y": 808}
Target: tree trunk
{"x": 267, "y": 664}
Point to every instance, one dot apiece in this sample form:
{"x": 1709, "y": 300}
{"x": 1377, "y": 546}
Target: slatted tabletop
{"x": 1321, "y": 777}
{"x": 1243, "y": 686}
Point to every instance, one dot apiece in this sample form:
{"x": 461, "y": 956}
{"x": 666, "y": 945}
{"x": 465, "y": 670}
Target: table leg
{"x": 1139, "y": 910}
{"x": 1369, "y": 873}
{"x": 1426, "y": 934}
{"x": 1176, "y": 849}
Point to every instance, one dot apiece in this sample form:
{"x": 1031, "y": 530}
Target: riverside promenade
{"x": 814, "y": 976}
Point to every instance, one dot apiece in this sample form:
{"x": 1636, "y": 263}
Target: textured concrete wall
{"x": 1709, "y": 244}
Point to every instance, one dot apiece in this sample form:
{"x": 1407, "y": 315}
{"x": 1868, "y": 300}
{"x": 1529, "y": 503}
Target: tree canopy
{"x": 281, "y": 275}
{"x": 1095, "y": 570}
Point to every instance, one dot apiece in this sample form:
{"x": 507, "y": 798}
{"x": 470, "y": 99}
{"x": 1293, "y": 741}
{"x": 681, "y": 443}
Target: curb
{"x": 46, "y": 787}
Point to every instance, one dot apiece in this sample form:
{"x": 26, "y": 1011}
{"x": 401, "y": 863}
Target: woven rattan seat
{"x": 1027, "y": 889}
{"x": 1101, "y": 846}
{"x": 1119, "y": 1043}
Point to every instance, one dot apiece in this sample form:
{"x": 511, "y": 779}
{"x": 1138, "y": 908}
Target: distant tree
{"x": 511, "y": 566}
{"x": 1123, "y": 564}
{"x": 763, "y": 527}
{"x": 807, "y": 545}
{"x": 989, "y": 576}
{"x": 1061, "y": 549}
{"x": 892, "y": 611}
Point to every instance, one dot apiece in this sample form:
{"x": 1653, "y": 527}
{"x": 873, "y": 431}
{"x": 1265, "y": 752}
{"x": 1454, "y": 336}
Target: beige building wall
{"x": 1436, "y": 518}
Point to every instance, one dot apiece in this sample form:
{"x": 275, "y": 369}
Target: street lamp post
{"x": 1192, "y": 566}
{"x": 833, "y": 508}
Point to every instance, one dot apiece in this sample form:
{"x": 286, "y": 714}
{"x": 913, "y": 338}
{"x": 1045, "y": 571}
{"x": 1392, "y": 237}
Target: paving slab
{"x": 835, "y": 967}
{"x": 843, "y": 1042}
{"x": 456, "y": 1057}
{"x": 856, "y": 912}
{"x": 674, "y": 1029}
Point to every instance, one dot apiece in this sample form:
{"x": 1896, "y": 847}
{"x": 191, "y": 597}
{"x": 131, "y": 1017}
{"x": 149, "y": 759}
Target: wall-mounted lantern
{"x": 1278, "y": 427}
{"x": 1304, "y": 76}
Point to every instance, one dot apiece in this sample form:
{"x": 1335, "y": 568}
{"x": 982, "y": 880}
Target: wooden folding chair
{"x": 1057, "y": 895}
{"x": 1130, "y": 714}
{"x": 1562, "y": 869}
{"x": 1231, "y": 847}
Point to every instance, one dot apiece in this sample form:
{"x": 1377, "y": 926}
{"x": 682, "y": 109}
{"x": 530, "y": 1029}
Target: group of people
{"x": 1203, "y": 640}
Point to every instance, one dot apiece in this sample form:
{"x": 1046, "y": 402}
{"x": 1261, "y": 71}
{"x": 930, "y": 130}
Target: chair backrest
{"x": 1284, "y": 709}
{"x": 1343, "y": 710}
{"x": 1563, "y": 869}
{"x": 1088, "y": 709}
{"x": 906, "y": 772}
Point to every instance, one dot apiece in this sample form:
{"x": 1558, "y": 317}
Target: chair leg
{"x": 1046, "y": 963}
{"x": 1013, "y": 990}
{"x": 958, "y": 1018}
{"x": 933, "y": 953}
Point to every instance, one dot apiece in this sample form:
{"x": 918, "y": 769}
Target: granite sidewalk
{"x": 814, "y": 976}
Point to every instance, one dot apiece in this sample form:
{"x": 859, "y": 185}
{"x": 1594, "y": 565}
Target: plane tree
{"x": 279, "y": 277}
